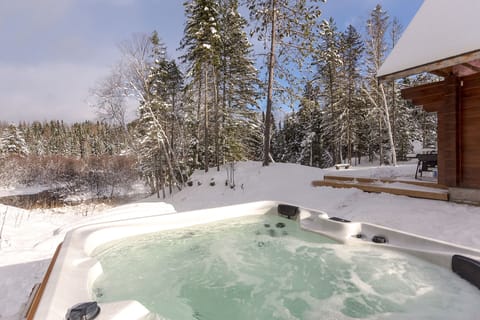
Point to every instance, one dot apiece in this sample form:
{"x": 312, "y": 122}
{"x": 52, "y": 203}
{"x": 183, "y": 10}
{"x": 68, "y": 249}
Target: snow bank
{"x": 291, "y": 183}
{"x": 29, "y": 238}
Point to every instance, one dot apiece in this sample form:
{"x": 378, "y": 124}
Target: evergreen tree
{"x": 172, "y": 83}
{"x": 328, "y": 63}
{"x": 236, "y": 120}
{"x": 201, "y": 42}
{"x": 12, "y": 142}
{"x": 290, "y": 28}
{"x": 301, "y": 138}
{"x": 310, "y": 117}
{"x": 351, "y": 50}
{"x": 423, "y": 125}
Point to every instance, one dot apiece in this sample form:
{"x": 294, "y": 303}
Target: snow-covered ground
{"x": 29, "y": 238}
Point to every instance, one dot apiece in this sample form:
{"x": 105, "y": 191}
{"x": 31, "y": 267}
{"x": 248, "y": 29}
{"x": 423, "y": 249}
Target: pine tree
{"x": 328, "y": 63}
{"x": 351, "y": 49}
{"x": 310, "y": 119}
{"x": 422, "y": 125}
{"x": 12, "y": 142}
{"x": 290, "y": 28}
{"x": 236, "y": 120}
{"x": 172, "y": 88}
{"x": 201, "y": 42}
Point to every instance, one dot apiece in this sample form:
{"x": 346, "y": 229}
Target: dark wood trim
{"x": 459, "y": 135}
{"x": 448, "y": 134}
{"x": 471, "y": 83}
{"x": 471, "y": 67}
{"x": 36, "y": 300}
{"x": 423, "y": 90}
{"x": 472, "y": 77}
{"x": 431, "y": 103}
{"x": 430, "y": 96}
{"x": 441, "y": 73}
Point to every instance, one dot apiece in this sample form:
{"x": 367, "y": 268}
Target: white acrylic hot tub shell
{"x": 75, "y": 271}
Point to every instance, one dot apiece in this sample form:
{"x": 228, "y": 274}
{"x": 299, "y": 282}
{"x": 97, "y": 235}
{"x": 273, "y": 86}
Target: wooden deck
{"x": 415, "y": 189}
{"x": 385, "y": 180}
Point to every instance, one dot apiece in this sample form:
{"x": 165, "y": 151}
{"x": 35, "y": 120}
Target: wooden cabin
{"x": 441, "y": 39}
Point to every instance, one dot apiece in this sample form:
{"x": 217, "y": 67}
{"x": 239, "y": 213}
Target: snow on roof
{"x": 441, "y": 30}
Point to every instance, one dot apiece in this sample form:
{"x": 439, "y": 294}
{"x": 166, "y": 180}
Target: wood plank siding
{"x": 470, "y": 132}
{"x": 457, "y": 103}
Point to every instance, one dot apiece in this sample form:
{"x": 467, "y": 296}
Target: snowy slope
{"x": 292, "y": 183}
{"x": 29, "y": 238}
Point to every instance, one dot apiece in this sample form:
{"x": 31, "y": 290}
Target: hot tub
{"x": 277, "y": 262}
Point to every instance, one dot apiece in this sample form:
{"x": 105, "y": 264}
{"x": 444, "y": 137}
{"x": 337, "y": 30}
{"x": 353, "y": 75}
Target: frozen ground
{"x": 29, "y": 238}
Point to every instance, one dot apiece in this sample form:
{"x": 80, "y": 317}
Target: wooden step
{"x": 386, "y": 180}
{"x": 426, "y": 193}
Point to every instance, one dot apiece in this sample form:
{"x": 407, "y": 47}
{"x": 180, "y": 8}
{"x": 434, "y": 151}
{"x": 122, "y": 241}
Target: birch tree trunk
{"x": 205, "y": 134}
{"x": 386, "y": 118}
{"x": 389, "y": 126}
{"x": 196, "y": 153}
{"x": 271, "y": 66}
{"x": 216, "y": 120}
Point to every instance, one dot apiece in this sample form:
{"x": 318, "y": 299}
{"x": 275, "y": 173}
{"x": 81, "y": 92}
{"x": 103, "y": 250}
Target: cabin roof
{"x": 442, "y": 38}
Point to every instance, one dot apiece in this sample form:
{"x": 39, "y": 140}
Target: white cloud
{"x": 47, "y": 91}
{"x": 39, "y": 13}
{"x": 24, "y": 22}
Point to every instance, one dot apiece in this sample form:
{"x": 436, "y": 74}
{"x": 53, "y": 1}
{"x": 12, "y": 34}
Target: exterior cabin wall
{"x": 457, "y": 103}
{"x": 469, "y": 152}
{"x": 448, "y": 164}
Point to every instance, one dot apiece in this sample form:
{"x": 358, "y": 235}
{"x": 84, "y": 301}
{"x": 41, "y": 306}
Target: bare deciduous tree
{"x": 110, "y": 99}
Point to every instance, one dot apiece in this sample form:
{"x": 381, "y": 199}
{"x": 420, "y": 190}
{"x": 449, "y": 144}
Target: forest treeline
{"x": 80, "y": 158}
{"x": 323, "y": 102}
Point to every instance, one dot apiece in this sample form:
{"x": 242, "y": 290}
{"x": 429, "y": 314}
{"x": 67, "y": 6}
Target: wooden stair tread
{"x": 426, "y": 193}
{"x": 386, "y": 180}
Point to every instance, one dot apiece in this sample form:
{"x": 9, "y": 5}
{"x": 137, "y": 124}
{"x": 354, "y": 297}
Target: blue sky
{"x": 54, "y": 51}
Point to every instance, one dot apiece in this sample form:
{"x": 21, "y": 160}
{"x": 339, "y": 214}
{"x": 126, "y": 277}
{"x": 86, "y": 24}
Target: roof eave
{"x": 436, "y": 67}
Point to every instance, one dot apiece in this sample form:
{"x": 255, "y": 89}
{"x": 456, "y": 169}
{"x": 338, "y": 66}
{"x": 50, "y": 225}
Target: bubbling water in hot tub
{"x": 266, "y": 267}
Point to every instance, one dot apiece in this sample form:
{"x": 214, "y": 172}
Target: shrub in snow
{"x": 102, "y": 176}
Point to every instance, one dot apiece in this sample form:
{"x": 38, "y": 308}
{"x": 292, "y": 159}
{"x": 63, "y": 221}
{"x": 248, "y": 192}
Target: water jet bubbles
{"x": 266, "y": 225}
{"x": 272, "y": 232}
{"x": 195, "y": 248}
{"x": 187, "y": 235}
{"x": 98, "y": 292}
{"x": 261, "y": 244}
{"x": 280, "y": 225}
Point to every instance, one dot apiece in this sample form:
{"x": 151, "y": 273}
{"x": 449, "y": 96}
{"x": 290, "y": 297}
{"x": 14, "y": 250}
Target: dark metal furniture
{"x": 426, "y": 162}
